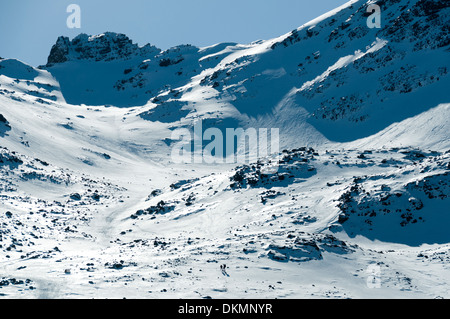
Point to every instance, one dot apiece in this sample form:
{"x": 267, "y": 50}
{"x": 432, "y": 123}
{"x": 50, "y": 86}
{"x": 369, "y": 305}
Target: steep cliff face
{"x": 59, "y": 52}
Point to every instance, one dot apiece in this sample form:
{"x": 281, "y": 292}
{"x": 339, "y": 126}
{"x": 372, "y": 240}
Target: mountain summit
{"x": 104, "y": 47}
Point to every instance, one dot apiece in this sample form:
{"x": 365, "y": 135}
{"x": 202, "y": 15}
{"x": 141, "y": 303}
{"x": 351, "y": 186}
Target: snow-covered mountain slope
{"x": 20, "y": 81}
{"x": 353, "y": 81}
{"x": 93, "y": 205}
{"x": 428, "y": 129}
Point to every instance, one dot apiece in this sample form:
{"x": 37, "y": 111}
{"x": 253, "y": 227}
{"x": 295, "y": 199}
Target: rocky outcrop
{"x": 105, "y": 47}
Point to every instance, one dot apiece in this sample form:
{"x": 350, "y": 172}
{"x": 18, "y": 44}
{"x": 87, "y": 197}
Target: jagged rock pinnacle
{"x": 104, "y": 47}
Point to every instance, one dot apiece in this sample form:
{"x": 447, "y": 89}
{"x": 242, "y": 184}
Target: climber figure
{"x": 224, "y": 270}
